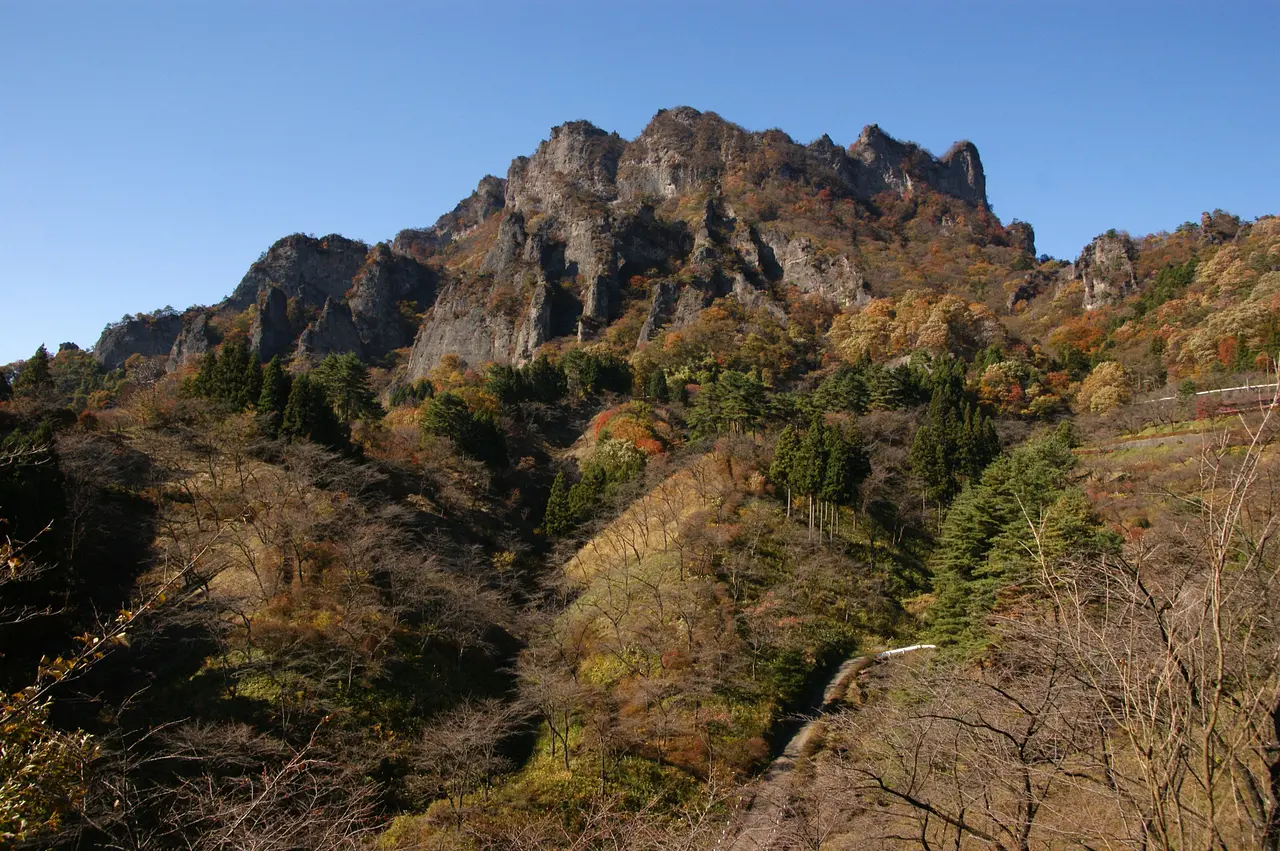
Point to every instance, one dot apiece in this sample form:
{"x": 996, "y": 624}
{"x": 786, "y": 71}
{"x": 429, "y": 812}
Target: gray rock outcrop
{"x": 1106, "y": 268}
{"x": 196, "y": 339}
{"x": 304, "y": 268}
{"x": 819, "y": 273}
{"x": 422, "y": 243}
{"x": 271, "y": 334}
{"x": 388, "y": 291}
{"x": 333, "y": 332}
{"x": 145, "y": 334}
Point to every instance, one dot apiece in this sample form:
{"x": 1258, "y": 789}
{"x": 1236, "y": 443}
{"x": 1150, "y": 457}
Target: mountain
{"x": 542, "y": 525}
{"x": 593, "y": 233}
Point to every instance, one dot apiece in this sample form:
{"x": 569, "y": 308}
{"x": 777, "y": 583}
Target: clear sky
{"x": 149, "y": 152}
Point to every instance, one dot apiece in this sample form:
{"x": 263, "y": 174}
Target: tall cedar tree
{"x": 955, "y": 441}
{"x": 477, "y": 435}
{"x": 982, "y": 546}
{"x": 36, "y": 376}
{"x": 847, "y": 466}
{"x": 657, "y": 388}
{"x": 276, "y": 385}
{"x": 233, "y": 377}
{"x": 783, "y": 463}
{"x": 307, "y": 415}
{"x": 558, "y": 520}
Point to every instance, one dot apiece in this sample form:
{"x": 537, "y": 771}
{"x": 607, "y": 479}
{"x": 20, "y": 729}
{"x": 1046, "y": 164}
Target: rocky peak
{"x": 196, "y": 339}
{"x": 333, "y": 332}
{"x": 1021, "y": 236}
{"x": 578, "y": 158}
{"x": 271, "y": 334}
{"x": 891, "y": 165}
{"x": 1106, "y": 266}
{"x": 307, "y": 268}
{"x": 146, "y": 334}
{"x": 961, "y": 175}
{"x": 387, "y": 287}
{"x": 678, "y": 150}
{"x": 421, "y": 243}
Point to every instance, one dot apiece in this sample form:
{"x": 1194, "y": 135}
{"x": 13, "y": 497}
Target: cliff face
{"x": 1106, "y": 266}
{"x": 146, "y": 335}
{"x": 304, "y": 268}
{"x": 591, "y": 228}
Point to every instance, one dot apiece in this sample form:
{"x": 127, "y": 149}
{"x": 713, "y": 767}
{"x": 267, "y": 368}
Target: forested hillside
{"x": 551, "y": 525}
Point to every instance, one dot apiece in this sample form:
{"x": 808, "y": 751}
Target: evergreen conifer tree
{"x": 206, "y": 378}
{"x": 657, "y": 388}
{"x": 36, "y": 377}
{"x": 307, "y": 415}
{"x": 276, "y": 386}
{"x": 6, "y": 391}
{"x": 810, "y": 467}
{"x": 781, "y": 469}
{"x": 345, "y": 380}
{"x": 558, "y": 520}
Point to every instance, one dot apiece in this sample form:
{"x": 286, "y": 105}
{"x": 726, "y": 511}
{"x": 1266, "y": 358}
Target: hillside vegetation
{"x": 542, "y": 527}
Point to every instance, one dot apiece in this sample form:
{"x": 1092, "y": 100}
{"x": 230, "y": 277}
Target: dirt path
{"x": 761, "y": 825}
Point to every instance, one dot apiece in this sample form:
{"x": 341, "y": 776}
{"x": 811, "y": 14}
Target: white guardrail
{"x": 1208, "y": 392}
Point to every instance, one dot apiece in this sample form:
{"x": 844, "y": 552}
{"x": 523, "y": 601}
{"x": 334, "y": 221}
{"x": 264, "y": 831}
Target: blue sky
{"x": 149, "y": 152}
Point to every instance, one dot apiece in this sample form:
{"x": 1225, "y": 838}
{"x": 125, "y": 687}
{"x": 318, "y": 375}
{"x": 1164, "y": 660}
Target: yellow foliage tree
{"x": 1105, "y": 389}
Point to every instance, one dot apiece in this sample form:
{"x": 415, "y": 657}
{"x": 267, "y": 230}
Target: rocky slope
{"x": 597, "y": 236}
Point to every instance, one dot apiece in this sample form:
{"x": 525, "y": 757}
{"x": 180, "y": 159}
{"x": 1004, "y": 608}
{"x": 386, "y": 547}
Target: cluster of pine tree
{"x": 411, "y": 395}
{"x": 69, "y": 378}
{"x": 540, "y": 380}
{"x": 954, "y": 440}
{"x": 587, "y": 373}
{"x": 988, "y": 544}
{"x": 867, "y": 386}
{"x": 475, "y": 432}
{"x": 317, "y": 406}
{"x": 826, "y": 464}
{"x": 614, "y": 463}
{"x": 736, "y": 402}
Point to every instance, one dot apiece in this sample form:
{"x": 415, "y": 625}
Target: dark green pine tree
{"x": 544, "y": 381}
{"x": 205, "y": 382}
{"x": 657, "y": 388}
{"x": 36, "y": 377}
{"x": 847, "y": 467}
{"x": 504, "y": 383}
{"x": 6, "y": 391}
{"x": 307, "y": 415}
{"x": 238, "y": 378}
{"x": 558, "y": 520}
{"x": 345, "y": 380}
{"x": 781, "y": 468}
{"x": 448, "y": 416}
{"x": 276, "y": 385}
{"x": 810, "y": 467}
{"x": 584, "y": 496}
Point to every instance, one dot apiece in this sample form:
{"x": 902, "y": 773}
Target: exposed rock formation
{"x": 196, "y": 339}
{"x": 815, "y": 272}
{"x": 272, "y": 333}
{"x": 1106, "y": 268}
{"x": 661, "y": 308}
{"x": 147, "y": 335}
{"x": 332, "y": 332}
{"x": 1021, "y": 236}
{"x": 570, "y": 238}
{"x": 305, "y": 268}
{"x": 387, "y": 291}
{"x": 421, "y": 243}
{"x": 459, "y": 324}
